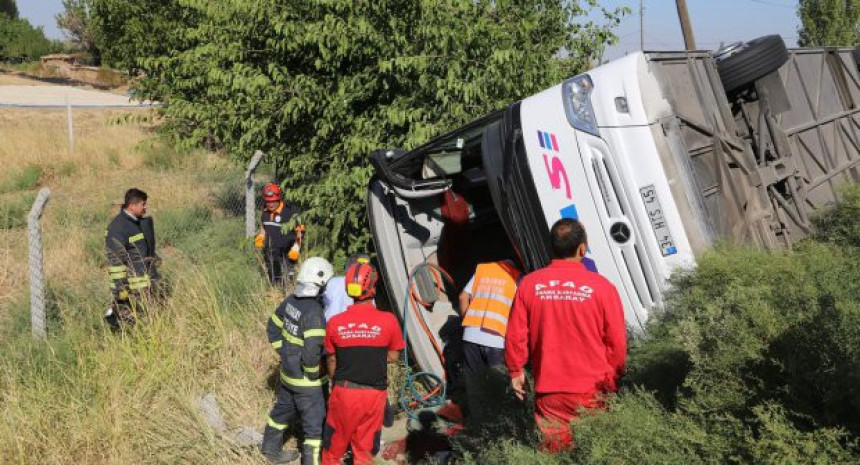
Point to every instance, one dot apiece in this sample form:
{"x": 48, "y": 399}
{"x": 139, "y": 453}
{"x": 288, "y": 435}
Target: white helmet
{"x": 313, "y": 275}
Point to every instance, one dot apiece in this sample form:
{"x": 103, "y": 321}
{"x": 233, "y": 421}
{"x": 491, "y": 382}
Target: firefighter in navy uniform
{"x": 279, "y": 235}
{"x": 130, "y": 248}
{"x": 297, "y": 330}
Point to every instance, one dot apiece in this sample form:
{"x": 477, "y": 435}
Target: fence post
{"x": 37, "y": 266}
{"x": 250, "y": 197}
{"x": 71, "y": 126}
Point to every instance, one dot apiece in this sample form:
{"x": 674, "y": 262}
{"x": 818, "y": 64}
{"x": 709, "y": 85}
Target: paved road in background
{"x": 60, "y": 96}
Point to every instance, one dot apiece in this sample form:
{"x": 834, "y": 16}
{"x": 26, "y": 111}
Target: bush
{"x": 755, "y": 360}
{"x": 839, "y": 224}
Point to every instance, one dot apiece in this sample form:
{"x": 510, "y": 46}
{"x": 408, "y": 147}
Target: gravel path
{"x": 60, "y": 96}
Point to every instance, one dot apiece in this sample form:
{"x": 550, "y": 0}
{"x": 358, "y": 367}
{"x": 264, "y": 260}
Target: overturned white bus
{"x": 659, "y": 154}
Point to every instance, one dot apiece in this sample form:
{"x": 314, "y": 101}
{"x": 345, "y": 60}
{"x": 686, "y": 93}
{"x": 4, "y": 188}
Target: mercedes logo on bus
{"x": 620, "y": 232}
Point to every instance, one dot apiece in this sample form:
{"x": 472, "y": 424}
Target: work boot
{"x": 282, "y": 456}
{"x": 272, "y": 445}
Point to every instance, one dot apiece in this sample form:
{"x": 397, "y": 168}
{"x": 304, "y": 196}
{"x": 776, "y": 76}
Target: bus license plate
{"x": 658, "y": 221}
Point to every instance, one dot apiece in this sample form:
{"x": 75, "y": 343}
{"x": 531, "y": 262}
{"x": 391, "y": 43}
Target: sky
{"x": 714, "y": 21}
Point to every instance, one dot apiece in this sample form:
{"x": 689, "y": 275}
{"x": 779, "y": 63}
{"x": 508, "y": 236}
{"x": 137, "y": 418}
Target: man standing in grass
{"x": 296, "y": 331}
{"x": 280, "y": 230}
{"x": 130, "y": 247}
{"x": 569, "y": 321}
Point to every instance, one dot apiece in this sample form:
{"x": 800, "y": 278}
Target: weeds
{"x": 25, "y": 179}
{"x": 14, "y": 210}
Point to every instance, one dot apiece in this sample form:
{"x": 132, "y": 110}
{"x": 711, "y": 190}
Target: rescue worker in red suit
{"x": 569, "y": 321}
{"x": 359, "y": 343}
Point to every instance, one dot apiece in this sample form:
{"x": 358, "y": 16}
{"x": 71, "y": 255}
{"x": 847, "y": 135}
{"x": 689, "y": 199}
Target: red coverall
{"x": 360, "y": 338}
{"x": 570, "y": 322}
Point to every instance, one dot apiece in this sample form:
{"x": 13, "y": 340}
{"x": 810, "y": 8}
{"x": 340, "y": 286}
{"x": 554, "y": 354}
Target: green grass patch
{"x": 162, "y": 155}
{"x": 26, "y": 178}
{"x": 14, "y": 210}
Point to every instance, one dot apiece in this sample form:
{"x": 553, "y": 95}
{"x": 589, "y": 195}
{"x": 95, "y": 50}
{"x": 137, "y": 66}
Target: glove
{"x": 293, "y": 254}
{"x": 258, "y": 241}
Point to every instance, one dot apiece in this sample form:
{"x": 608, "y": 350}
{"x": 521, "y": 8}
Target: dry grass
{"x": 87, "y": 396}
{"x": 16, "y": 80}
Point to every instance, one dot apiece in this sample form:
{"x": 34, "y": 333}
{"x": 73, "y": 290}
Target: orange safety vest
{"x": 493, "y": 293}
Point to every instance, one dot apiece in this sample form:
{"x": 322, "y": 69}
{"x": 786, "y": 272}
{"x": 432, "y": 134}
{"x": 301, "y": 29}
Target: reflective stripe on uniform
{"x": 315, "y": 444}
{"x": 138, "y": 282}
{"x": 135, "y": 238}
{"x": 116, "y": 269}
{"x": 302, "y": 382}
{"x": 314, "y": 333}
{"x": 313, "y": 369}
{"x": 275, "y": 424}
{"x": 489, "y": 295}
{"x": 292, "y": 339}
{"x": 118, "y": 275}
{"x": 271, "y": 223}
{"x": 481, "y": 314}
{"x": 278, "y": 344}
{"x": 277, "y": 321}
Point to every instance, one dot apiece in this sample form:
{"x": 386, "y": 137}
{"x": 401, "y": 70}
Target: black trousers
{"x": 486, "y": 379}
{"x": 278, "y": 266}
{"x": 308, "y": 403}
{"x": 478, "y": 358}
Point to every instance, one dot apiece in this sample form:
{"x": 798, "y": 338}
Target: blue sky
{"x": 714, "y": 21}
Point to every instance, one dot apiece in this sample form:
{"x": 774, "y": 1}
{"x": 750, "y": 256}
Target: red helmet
{"x": 272, "y": 193}
{"x": 360, "y": 281}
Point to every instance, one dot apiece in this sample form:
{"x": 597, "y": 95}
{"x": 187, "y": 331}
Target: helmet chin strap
{"x": 306, "y": 290}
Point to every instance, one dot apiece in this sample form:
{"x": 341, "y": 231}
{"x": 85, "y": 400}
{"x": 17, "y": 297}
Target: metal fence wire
{"x": 66, "y": 237}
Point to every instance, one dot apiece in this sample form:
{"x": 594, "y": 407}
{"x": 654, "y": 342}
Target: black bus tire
{"x": 757, "y": 59}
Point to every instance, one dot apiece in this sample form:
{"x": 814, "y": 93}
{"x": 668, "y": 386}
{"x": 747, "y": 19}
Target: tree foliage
{"x": 829, "y": 22}
{"x": 9, "y": 7}
{"x": 76, "y": 22}
{"x": 19, "y": 39}
{"x": 319, "y": 84}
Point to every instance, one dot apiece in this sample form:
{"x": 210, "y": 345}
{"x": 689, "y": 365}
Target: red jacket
{"x": 571, "y": 323}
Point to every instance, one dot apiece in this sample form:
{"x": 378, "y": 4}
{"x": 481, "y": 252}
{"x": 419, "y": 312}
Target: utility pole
{"x": 686, "y": 27}
{"x": 641, "y": 25}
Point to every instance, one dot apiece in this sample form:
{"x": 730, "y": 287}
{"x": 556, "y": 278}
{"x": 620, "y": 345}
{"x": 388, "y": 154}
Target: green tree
{"x": 829, "y": 22}
{"x": 76, "y": 22}
{"x": 130, "y": 32}
{"x": 9, "y": 7}
{"x": 319, "y": 84}
{"x": 19, "y": 39}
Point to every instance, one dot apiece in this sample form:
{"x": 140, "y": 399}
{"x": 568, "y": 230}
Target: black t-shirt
{"x": 361, "y": 337}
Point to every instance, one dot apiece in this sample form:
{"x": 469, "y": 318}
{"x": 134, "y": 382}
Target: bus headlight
{"x": 577, "y": 103}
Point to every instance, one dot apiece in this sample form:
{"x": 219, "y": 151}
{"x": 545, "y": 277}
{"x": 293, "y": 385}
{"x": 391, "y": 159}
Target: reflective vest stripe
{"x": 271, "y": 223}
{"x": 314, "y": 333}
{"x": 489, "y": 295}
{"x": 302, "y": 382}
{"x": 135, "y": 238}
{"x": 481, "y": 314}
{"x": 278, "y": 344}
{"x": 277, "y": 321}
{"x": 116, "y": 269}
